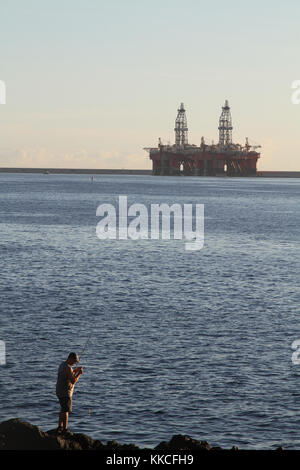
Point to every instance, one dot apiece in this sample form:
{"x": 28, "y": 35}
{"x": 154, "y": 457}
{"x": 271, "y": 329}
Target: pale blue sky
{"x": 90, "y": 83}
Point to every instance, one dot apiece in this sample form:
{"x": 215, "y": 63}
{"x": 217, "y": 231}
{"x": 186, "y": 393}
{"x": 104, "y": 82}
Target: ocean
{"x": 179, "y": 342}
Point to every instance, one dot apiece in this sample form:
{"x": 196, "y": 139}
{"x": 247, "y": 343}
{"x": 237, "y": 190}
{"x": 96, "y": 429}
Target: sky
{"x": 90, "y": 83}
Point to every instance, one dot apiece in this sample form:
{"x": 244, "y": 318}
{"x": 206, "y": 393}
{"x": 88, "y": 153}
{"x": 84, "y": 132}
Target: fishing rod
{"x": 84, "y": 347}
{"x": 81, "y": 354}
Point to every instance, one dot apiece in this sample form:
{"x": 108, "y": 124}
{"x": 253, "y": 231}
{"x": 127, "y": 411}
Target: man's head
{"x": 72, "y": 358}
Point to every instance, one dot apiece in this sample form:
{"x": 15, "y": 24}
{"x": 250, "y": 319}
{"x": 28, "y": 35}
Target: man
{"x": 66, "y": 380}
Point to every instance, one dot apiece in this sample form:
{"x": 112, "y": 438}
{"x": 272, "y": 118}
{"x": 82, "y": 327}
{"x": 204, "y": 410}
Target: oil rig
{"x": 224, "y": 158}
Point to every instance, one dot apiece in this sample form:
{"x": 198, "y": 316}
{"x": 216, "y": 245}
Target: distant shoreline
{"x": 77, "y": 171}
{"x": 90, "y": 171}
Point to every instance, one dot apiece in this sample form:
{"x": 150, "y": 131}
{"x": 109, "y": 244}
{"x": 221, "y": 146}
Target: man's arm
{"x": 73, "y": 376}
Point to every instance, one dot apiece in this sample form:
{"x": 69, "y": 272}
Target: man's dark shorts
{"x": 66, "y": 404}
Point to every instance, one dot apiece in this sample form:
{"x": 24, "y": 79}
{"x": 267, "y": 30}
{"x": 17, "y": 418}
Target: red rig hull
{"x": 202, "y": 162}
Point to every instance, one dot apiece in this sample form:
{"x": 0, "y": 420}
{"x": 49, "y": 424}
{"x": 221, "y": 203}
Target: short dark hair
{"x": 73, "y": 356}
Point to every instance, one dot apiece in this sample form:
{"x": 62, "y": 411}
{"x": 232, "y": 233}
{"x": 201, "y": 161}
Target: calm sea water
{"x": 196, "y": 343}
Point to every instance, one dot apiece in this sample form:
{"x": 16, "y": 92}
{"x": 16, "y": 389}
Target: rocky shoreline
{"x": 16, "y": 434}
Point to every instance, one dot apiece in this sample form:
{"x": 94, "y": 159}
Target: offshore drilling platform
{"x": 224, "y": 158}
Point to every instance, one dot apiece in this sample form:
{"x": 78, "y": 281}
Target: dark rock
{"x": 70, "y": 440}
{"x": 2, "y": 441}
{"x": 129, "y": 447}
{"x": 16, "y": 434}
{"x": 68, "y": 444}
{"x": 113, "y": 445}
{"x": 98, "y": 445}
{"x": 85, "y": 442}
{"x": 162, "y": 446}
{"x": 20, "y": 435}
{"x": 181, "y": 442}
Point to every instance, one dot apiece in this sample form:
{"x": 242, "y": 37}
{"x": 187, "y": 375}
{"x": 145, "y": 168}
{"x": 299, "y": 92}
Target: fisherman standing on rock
{"x": 66, "y": 380}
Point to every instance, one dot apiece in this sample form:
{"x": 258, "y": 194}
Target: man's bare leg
{"x": 63, "y": 420}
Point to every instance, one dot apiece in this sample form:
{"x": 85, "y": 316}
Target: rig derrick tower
{"x": 225, "y": 127}
{"x": 181, "y": 130}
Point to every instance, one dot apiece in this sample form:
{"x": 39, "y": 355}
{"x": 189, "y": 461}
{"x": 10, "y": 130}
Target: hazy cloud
{"x": 46, "y": 158}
